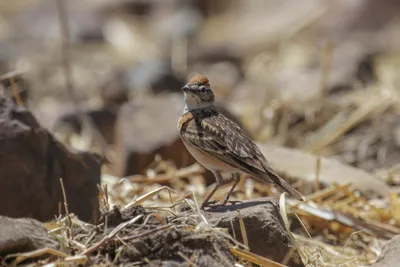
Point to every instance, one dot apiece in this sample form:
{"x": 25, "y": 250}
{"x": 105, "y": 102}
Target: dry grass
{"x": 330, "y": 234}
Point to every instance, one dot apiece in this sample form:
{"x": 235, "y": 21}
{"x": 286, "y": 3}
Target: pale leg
{"x": 220, "y": 181}
{"x": 236, "y": 178}
{"x": 209, "y": 196}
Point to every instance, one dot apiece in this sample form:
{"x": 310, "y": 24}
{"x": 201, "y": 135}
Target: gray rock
{"x": 390, "y": 255}
{"x": 264, "y": 227}
{"x": 23, "y": 235}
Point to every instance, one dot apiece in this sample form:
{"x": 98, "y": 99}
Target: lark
{"x": 219, "y": 144}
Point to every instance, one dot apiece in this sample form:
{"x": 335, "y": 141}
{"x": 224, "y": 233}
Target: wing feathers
{"x": 224, "y": 140}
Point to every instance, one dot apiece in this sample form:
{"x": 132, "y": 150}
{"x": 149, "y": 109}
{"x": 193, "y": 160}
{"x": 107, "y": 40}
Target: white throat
{"x": 193, "y": 102}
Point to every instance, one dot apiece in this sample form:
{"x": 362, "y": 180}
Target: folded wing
{"x": 227, "y": 142}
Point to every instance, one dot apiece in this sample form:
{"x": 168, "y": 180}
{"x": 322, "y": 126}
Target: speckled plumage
{"x": 208, "y": 129}
{"x": 221, "y": 146}
{"x": 224, "y": 140}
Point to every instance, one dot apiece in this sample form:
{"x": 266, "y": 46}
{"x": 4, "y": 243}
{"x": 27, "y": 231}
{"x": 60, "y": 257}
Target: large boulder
{"x": 31, "y": 165}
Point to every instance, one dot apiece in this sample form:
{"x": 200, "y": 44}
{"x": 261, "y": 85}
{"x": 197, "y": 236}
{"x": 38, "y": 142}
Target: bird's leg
{"x": 236, "y": 178}
{"x": 218, "y": 179}
{"x": 209, "y": 196}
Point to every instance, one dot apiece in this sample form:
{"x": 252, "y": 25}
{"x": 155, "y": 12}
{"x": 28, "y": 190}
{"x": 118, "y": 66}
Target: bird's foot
{"x": 209, "y": 204}
{"x": 225, "y": 202}
{"x": 216, "y": 204}
{"x": 232, "y": 202}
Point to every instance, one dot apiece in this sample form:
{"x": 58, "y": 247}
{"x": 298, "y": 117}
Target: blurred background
{"x": 311, "y": 76}
{"x": 281, "y": 68}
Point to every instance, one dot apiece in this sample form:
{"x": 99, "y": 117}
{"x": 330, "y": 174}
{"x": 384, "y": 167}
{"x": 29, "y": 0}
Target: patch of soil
{"x": 116, "y": 216}
{"x": 176, "y": 245}
{"x": 149, "y": 242}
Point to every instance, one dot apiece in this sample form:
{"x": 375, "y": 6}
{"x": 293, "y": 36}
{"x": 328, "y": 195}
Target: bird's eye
{"x": 202, "y": 88}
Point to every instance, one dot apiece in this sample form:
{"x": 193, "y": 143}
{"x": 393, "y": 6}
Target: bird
{"x": 219, "y": 144}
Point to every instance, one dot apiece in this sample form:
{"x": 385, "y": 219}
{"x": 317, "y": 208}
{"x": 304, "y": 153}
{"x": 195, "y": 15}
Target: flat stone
{"x": 23, "y": 235}
{"x": 263, "y": 223}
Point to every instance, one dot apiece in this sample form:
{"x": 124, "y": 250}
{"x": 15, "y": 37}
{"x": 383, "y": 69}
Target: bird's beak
{"x": 185, "y": 89}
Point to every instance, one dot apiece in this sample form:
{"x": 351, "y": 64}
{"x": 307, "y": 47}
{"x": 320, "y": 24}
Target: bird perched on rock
{"x": 219, "y": 144}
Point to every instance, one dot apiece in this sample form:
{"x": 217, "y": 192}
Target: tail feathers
{"x": 288, "y": 188}
{"x": 270, "y": 176}
{"x": 273, "y": 177}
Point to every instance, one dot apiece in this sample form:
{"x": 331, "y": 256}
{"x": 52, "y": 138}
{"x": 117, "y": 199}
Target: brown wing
{"x": 222, "y": 138}
{"x": 227, "y": 142}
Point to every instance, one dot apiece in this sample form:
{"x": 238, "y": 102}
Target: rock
{"x": 390, "y": 254}
{"x": 164, "y": 248}
{"x": 264, "y": 227}
{"x": 159, "y": 244}
{"x": 23, "y": 235}
{"x": 148, "y": 126}
{"x": 31, "y": 164}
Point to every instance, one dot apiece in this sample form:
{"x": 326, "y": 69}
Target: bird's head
{"x": 198, "y": 93}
